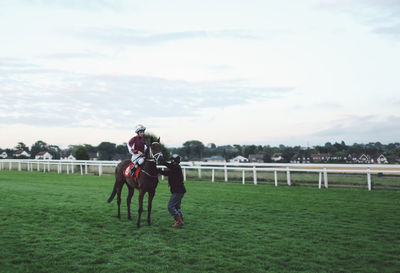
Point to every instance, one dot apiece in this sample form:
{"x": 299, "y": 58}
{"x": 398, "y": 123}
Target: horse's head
{"x": 155, "y": 151}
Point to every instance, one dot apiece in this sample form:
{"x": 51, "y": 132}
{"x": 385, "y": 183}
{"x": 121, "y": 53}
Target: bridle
{"x": 157, "y": 155}
{"x": 153, "y": 157}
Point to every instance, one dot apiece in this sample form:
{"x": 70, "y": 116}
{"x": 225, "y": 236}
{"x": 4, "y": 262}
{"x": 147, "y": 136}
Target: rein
{"x": 154, "y": 176}
{"x": 153, "y": 158}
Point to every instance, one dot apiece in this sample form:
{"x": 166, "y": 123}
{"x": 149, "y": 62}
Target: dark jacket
{"x": 175, "y": 177}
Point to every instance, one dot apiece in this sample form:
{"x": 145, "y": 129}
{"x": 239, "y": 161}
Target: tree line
{"x": 104, "y": 151}
{"x": 194, "y": 150}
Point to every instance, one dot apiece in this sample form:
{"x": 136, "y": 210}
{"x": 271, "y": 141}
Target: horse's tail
{"x": 114, "y": 192}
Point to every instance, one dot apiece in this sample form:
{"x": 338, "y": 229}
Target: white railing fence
{"x": 83, "y": 166}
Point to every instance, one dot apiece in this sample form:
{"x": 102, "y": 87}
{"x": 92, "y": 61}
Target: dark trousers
{"x": 174, "y": 204}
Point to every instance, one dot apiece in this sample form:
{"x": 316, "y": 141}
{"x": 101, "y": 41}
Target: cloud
{"x": 362, "y": 128}
{"x": 121, "y": 35}
{"x": 53, "y": 97}
{"x": 87, "y": 5}
{"x": 383, "y": 16}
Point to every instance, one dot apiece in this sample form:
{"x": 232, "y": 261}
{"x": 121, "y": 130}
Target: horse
{"x": 146, "y": 182}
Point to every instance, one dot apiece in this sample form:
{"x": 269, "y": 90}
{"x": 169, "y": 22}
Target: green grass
{"x": 62, "y": 223}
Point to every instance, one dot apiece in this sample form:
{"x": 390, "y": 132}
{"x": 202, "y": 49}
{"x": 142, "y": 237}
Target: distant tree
{"x": 38, "y": 146}
{"x": 22, "y": 146}
{"x": 90, "y": 148}
{"x": 80, "y": 152}
{"x": 55, "y": 151}
{"x": 194, "y": 149}
{"x": 106, "y": 150}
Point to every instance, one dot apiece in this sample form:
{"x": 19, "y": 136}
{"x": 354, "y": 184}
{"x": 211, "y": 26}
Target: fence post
{"x": 9, "y": 165}
{"x": 243, "y": 177}
{"x": 72, "y": 167}
{"x": 369, "y": 178}
{"x": 199, "y": 169}
{"x": 276, "y": 178}
{"x": 254, "y": 175}
{"x": 19, "y": 165}
{"x": 288, "y": 176}
{"x": 320, "y": 180}
{"x": 85, "y": 168}
{"x": 184, "y": 174}
{"x": 226, "y": 173}
{"x": 212, "y": 175}
{"x": 67, "y": 168}
{"x": 100, "y": 169}
{"x": 81, "y": 169}
{"x": 38, "y": 167}
{"x": 44, "y": 167}
{"x": 325, "y": 178}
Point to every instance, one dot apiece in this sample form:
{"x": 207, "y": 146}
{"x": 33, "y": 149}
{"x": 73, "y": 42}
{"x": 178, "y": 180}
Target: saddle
{"x": 127, "y": 172}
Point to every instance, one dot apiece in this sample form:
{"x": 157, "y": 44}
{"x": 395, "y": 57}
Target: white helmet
{"x": 139, "y": 128}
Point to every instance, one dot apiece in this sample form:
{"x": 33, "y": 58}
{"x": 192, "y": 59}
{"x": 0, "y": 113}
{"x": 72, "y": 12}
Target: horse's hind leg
{"x": 128, "y": 201}
{"x": 140, "y": 210}
{"x": 119, "y": 189}
{"x": 149, "y": 205}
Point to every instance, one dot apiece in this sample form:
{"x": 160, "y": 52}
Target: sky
{"x": 226, "y": 72}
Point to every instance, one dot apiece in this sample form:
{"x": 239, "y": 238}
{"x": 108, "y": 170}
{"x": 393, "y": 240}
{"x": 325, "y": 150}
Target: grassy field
{"x": 62, "y": 223}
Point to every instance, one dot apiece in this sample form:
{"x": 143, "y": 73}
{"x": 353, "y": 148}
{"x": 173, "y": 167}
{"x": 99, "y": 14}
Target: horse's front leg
{"x": 128, "y": 201}
{"x": 151, "y": 196}
{"x": 140, "y": 210}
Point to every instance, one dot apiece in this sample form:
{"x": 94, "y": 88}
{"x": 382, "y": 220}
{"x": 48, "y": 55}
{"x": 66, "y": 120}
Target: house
{"x": 257, "y": 158}
{"x": 214, "y": 158}
{"x": 21, "y": 153}
{"x": 276, "y": 157}
{"x": 239, "y": 159}
{"x": 70, "y": 157}
{"x": 43, "y": 155}
{"x": 299, "y": 158}
{"x": 381, "y": 159}
{"x": 365, "y": 159}
{"x": 351, "y": 158}
{"x": 3, "y": 155}
{"x": 93, "y": 156}
{"x": 320, "y": 157}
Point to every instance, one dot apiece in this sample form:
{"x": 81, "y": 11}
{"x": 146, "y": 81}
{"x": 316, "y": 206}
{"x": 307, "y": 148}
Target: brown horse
{"x": 147, "y": 181}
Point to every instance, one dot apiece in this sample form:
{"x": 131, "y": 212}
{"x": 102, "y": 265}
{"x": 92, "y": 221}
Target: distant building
{"x": 381, "y": 159}
{"x": 299, "y": 158}
{"x": 320, "y": 157}
{"x": 93, "y": 156}
{"x": 256, "y": 158}
{"x": 43, "y": 155}
{"x": 239, "y": 159}
{"x": 365, "y": 159}
{"x": 215, "y": 158}
{"x": 3, "y": 155}
{"x": 21, "y": 153}
{"x": 352, "y": 158}
{"x": 276, "y": 157}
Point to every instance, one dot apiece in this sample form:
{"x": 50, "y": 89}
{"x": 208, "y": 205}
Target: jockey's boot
{"x": 133, "y": 170}
{"x": 178, "y": 222}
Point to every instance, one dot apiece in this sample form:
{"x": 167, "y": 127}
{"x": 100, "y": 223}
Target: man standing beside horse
{"x": 178, "y": 190}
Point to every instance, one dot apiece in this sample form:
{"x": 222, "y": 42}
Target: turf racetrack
{"x": 62, "y": 223}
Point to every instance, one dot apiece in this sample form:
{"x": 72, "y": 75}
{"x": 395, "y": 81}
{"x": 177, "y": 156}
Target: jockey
{"x": 137, "y": 147}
